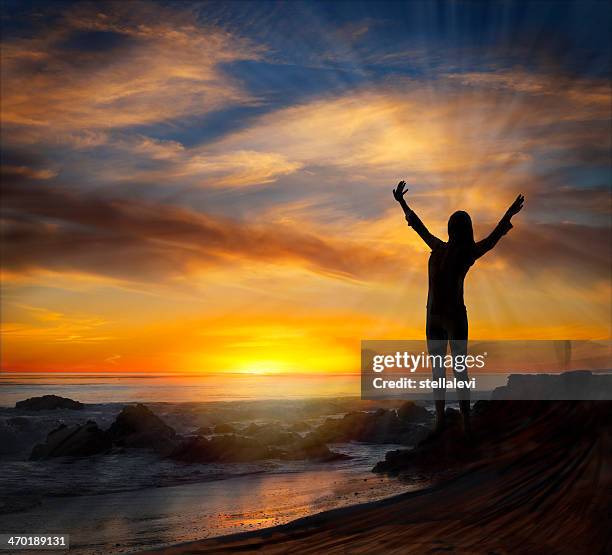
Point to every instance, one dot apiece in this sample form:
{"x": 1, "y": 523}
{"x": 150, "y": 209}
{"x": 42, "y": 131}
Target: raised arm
{"x": 413, "y": 220}
{"x": 501, "y": 229}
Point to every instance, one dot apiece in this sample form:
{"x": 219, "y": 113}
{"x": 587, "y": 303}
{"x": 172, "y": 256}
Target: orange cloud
{"x": 67, "y": 231}
{"x": 447, "y": 138}
{"x": 154, "y": 66}
{"x": 202, "y": 166}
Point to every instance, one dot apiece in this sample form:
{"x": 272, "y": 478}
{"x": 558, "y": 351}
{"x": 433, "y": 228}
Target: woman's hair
{"x": 460, "y": 231}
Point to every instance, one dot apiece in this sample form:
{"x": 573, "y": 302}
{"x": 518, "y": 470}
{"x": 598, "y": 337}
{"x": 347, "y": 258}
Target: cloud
{"x": 123, "y": 64}
{"x": 238, "y": 168}
{"x": 27, "y": 172}
{"x": 60, "y": 230}
{"x": 452, "y": 132}
{"x": 42, "y": 323}
{"x": 554, "y": 249}
{"x": 198, "y": 165}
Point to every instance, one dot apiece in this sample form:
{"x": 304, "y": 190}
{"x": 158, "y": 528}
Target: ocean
{"x": 132, "y": 499}
{"x": 125, "y": 388}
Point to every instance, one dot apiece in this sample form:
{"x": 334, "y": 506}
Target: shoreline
{"x": 297, "y": 524}
{"x": 193, "y": 511}
{"x": 540, "y": 487}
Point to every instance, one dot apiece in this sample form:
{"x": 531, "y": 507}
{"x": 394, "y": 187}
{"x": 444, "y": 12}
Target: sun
{"x": 262, "y": 367}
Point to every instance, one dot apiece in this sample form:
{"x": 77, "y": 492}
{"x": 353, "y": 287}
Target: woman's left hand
{"x": 399, "y": 192}
{"x": 515, "y": 207}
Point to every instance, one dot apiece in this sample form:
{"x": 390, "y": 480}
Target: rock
{"x": 236, "y": 448}
{"x": 137, "y": 426}
{"x": 575, "y": 385}
{"x": 253, "y": 428}
{"x": 499, "y": 428}
{"x": 48, "y": 402}
{"x": 264, "y": 441}
{"x": 411, "y": 412}
{"x": 528, "y": 407}
{"x": 382, "y": 426}
{"x": 272, "y": 434}
{"x": 74, "y": 441}
{"x": 204, "y": 431}
{"x": 224, "y": 448}
{"x": 310, "y": 449}
{"x": 224, "y": 428}
{"x": 433, "y": 454}
{"x": 300, "y": 426}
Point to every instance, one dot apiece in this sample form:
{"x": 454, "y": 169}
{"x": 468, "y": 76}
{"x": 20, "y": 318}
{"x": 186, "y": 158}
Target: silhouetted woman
{"x": 449, "y": 263}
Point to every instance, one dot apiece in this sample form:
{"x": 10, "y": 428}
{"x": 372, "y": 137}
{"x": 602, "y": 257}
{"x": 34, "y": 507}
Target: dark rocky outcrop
{"x": 499, "y": 428}
{"x": 300, "y": 426}
{"x": 517, "y": 418}
{"x": 272, "y": 434}
{"x": 223, "y": 448}
{"x": 75, "y": 441}
{"x": 381, "y": 426}
{"x": 575, "y": 385}
{"x": 237, "y": 448}
{"x": 137, "y": 426}
{"x": 48, "y": 402}
{"x": 256, "y": 442}
{"x": 224, "y": 428}
{"x": 411, "y": 412}
{"x": 309, "y": 448}
{"x": 253, "y": 428}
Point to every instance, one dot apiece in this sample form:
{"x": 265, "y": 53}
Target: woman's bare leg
{"x": 459, "y": 348}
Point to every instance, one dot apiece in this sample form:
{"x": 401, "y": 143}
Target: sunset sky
{"x": 207, "y": 187}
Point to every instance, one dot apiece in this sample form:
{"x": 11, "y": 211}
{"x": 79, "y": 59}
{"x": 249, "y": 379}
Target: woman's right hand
{"x": 399, "y": 192}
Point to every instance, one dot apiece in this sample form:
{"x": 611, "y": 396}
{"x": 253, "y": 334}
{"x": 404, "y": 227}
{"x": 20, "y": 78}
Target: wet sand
{"x": 130, "y": 519}
{"x": 541, "y": 484}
